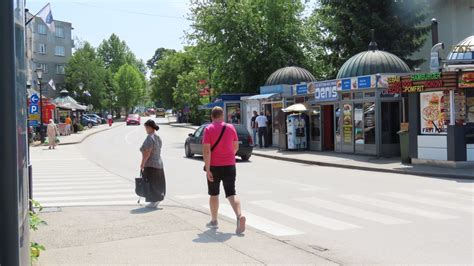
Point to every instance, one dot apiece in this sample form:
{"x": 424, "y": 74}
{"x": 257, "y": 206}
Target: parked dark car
{"x": 97, "y": 117}
{"x": 193, "y": 144}
{"x": 89, "y": 121}
{"x": 133, "y": 119}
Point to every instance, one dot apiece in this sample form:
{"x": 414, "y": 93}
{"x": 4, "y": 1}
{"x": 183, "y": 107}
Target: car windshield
{"x": 241, "y": 130}
{"x": 133, "y": 116}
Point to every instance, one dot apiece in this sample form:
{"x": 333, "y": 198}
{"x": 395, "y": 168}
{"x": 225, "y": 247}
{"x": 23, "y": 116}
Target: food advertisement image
{"x": 433, "y": 120}
{"x": 347, "y": 123}
{"x": 466, "y": 80}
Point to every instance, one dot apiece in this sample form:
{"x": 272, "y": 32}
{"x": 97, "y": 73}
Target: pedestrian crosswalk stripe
{"x": 258, "y": 222}
{"x": 193, "y": 196}
{"x": 132, "y": 201}
{"x": 301, "y": 186}
{"x": 59, "y": 159}
{"x": 80, "y": 198}
{"x": 467, "y": 189}
{"x": 91, "y": 187}
{"x": 356, "y": 212}
{"x": 81, "y": 192}
{"x": 448, "y": 194}
{"x": 305, "y": 216}
{"x": 72, "y": 182}
{"x": 78, "y": 177}
{"x": 397, "y": 207}
{"x": 428, "y": 201}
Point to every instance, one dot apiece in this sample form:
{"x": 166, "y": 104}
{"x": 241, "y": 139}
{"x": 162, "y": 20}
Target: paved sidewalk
{"x": 362, "y": 162}
{"x": 358, "y": 162}
{"x": 173, "y": 234}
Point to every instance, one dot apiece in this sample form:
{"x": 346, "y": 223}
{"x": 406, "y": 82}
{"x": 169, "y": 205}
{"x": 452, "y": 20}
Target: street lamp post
{"x": 39, "y": 74}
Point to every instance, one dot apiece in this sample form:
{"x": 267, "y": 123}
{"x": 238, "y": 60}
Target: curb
{"x": 87, "y": 136}
{"x": 184, "y": 126}
{"x": 363, "y": 168}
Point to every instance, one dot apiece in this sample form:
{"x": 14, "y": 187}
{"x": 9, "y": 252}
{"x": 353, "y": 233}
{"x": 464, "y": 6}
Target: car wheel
{"x": 188, "y": 152}
{"x": 245, "y": 157}
{"x": 89, "y": 125}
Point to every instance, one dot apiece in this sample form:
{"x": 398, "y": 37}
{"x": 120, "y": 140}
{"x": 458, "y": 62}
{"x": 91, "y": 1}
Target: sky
{"x": 144, "y": 24}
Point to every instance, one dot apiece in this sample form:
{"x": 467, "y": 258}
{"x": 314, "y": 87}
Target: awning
{"x": 209, "y": 106}
{"x": 262, "y": 96}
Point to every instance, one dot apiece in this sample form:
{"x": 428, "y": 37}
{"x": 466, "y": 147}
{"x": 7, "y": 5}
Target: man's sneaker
{"x": 153, "y": 205}
{"x": 212, "y": 225}
{"x": 240, "y": 225}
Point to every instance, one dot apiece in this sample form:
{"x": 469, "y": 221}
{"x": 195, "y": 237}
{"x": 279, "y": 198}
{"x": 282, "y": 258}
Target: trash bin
{"x": 404, "y": 146}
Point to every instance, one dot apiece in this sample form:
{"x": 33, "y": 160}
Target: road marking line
{"x": 58, "y": 184}
{"x": 80, "y": 192}
{"x": 356, "y": 212}
{"x": 193, "y": 196}
{"x": 301, "y": 186}
{"x": 90, "y": 203}
{"x": 397, "y": 207}
{"x": 258, "y": 222}
{"x": 80, "y": 187}
{"x": 305, "y": 216}
{"x": 447, "y": 194}
{"x": 466, "y": 189}
{"x": 428, "y": 201}
{"x": 92, "y": 197}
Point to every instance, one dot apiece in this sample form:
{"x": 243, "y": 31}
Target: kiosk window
{"x": 316, "y": 124}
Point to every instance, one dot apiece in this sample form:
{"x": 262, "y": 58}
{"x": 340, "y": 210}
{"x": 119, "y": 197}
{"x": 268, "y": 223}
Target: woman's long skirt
{"x": 156, "y": 178}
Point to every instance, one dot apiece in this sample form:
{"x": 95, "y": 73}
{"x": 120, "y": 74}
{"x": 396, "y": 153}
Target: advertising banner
{"x": 466, "y": 80}
{"x": 325, "y": 91}
{"x": 432, "y": 110}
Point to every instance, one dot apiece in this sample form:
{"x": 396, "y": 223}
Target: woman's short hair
{"x": 151, "y": 124}
{"x": 217, "y": 112}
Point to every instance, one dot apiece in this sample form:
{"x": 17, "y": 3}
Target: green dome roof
{"x": 372, "y": 62}
{"x": 289, "y": 76}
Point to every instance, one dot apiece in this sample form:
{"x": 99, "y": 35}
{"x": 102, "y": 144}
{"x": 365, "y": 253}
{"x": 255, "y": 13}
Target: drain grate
{"x": 318, "y": 248}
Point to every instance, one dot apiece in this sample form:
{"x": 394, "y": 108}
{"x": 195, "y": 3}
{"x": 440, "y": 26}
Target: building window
{"x": 42, "y": 66}
{"x": 60, "y": 69}
{"x": 42, "y": 48}
{"x": 59, "y": 32}
{"x": 42, "y": 29}
{"x": 59, "y": 51}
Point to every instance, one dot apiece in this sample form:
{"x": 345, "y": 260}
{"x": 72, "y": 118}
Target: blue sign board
{"x": 301, "y": 89}
{"x": 346, "y": 84}
{"x": 33, "y": 123}
{"x": 325, "y": 91}
{"x": 363, "y": 82}
{"x": 34, "y": 99}
{"x": 33, "y": 109}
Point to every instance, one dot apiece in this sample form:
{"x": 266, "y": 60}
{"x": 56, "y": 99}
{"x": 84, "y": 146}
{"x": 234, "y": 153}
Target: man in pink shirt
{"x": 220, "y": 144}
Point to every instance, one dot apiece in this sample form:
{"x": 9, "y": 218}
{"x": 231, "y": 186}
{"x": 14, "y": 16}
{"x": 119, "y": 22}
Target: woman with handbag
{"x": 152, "y": 165}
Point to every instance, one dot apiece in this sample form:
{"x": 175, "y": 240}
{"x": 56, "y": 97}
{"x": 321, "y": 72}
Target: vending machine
{"x": 296, "y": 130}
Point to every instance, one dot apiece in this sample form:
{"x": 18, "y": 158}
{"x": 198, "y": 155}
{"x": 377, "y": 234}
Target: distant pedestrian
{"x": 152, "y": 165}
{"x": 253, "y": 125}
{"x": 52, "y": 132}
{"x": 110, "y": 119}
{"x": 220, "y": 144}
{"x": 68, "y": 123}
{"x": 262, "y": 129}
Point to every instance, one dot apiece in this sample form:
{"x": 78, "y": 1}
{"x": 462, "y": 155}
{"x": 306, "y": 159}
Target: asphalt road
{"x": 346, "y": 215}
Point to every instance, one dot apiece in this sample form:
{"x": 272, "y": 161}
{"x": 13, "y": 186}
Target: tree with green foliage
{"x": 87, "y": 68}
{"x": 116, "y": 53}
{"x": 243, "y": 42}
{"x": 187, "y": 92}
{"x": 340, "y": 29}
{"x": 159, "y": 54}
{"x": 165, "y": 75}
{"x": 130, "y": 86}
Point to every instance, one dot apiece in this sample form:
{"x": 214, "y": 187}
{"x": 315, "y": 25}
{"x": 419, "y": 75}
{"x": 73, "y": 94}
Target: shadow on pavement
{"x": 212, "y": 236}
{"x": 144, "y": 210}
